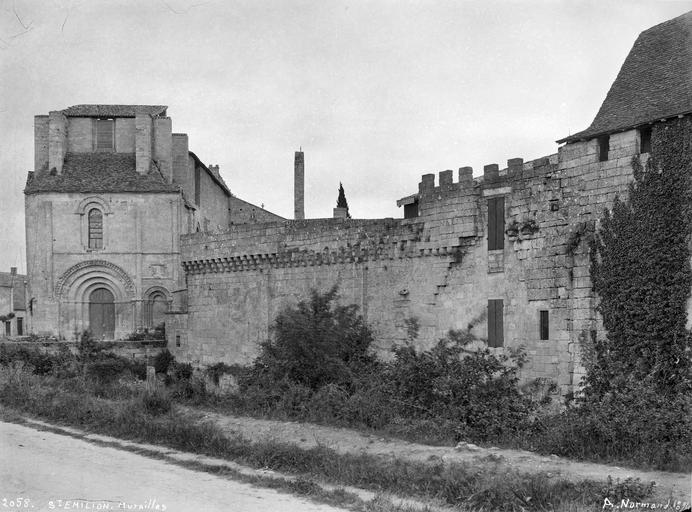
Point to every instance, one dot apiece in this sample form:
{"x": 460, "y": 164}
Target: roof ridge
{"x": 653, "y": 83}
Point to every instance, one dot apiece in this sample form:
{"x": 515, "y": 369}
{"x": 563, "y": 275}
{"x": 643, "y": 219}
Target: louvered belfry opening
{"x": 105, "y": 135}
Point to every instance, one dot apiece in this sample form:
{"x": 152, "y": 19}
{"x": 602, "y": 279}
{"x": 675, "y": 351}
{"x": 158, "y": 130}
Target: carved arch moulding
{"x": 93, "y": 201}
{"x": 83, "y": 267}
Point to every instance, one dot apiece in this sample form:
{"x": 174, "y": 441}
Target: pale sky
{"x": 376, "y": 92}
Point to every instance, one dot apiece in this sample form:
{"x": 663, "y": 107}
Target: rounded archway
{"x": 102, "y": 314}
{"x": 156, "y": 308}
{"x": 109, "y": 313}
{"x": 157, "y": 301}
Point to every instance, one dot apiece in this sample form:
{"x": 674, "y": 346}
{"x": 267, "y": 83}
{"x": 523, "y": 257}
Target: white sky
{"x": 376, "y": 92}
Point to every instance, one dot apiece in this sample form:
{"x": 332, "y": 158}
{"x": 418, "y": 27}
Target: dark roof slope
{"x": 98, "y": 173}
{"x": 216, "y": 178}
{"x": 655, "y": 81}
{"x": 8, "y": 280}
{"x": 113, "y": 110}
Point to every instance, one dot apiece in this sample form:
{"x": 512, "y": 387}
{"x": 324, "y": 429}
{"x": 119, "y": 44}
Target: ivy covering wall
{"x": 641, "y": 273}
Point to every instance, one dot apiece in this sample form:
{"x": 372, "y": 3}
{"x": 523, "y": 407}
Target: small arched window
{"x": 95, "y": 229}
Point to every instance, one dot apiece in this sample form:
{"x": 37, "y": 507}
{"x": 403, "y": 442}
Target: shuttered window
{"x": 495, "y": 323}
{"x": 544, "y": 325}
{"x": 95, "y": 229}
{"x": 645, "y": 139}
{"x": 603, "y": 147}
{"x": 496, "y": 223}
{"x": 105, "y": 135}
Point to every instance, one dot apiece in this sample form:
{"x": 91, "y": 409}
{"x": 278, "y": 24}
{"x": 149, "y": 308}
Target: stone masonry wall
{"x": 436, "y": 268}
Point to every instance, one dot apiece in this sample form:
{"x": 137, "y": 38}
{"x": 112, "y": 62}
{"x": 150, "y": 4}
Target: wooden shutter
{"x": 496, "y": 223}
{"x": 495, "y": 323}
{"x": 544, "y": 325}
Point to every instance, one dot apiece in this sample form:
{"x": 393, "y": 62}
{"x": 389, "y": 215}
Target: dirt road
{"x": 44, "y": 471}
{"x": 343, "y": 440}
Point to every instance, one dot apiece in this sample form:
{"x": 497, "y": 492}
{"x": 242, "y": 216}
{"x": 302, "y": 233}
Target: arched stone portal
{"x": 157, "y": 302}
{"x": 96, "y": 295}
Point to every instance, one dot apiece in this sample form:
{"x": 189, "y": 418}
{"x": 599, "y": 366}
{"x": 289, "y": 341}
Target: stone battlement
{"x": 516, "y": 170}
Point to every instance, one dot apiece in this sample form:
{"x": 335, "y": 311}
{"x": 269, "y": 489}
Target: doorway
{"x": 102, "y": 314}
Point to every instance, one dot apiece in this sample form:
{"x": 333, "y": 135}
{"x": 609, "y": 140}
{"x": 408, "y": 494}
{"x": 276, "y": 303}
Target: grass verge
{"x": 472, "y": 487}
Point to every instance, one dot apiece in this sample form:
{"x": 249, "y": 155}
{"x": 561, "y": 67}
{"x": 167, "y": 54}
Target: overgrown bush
{"x": 318, "y": 367}
{"x": 156, "y": 401}
{"x": 636, "y": 399}
{"x": 87, "y": 347}
{"x": 473, "y": 388}
{"x": 634, "y": 424}
{"x": 163, "y": 361}
{"x": 315, "y": 343}
{"x": 41, "y": 363}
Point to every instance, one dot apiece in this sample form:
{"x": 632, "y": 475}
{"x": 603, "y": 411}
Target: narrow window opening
{"x": 105, "y": 135}
{"x": 95, "y": 229}
{"x": 177, "y": 340}
{"x": 603, "y": 147}
{"x": 496, "y": 223}
{"x": 645, "y": 139}
{"x": 544, "y": 325}
{"x": 8, "y": 328}
{"x": 197, "y": 186}
{"x": 495, "y": 323}
{"x": 20, "y": 326}
{"x": 411, "y": 210}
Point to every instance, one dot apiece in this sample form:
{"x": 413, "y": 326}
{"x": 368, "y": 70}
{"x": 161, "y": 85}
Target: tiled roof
{"x": 655, "y": 81}
{"x": 97, "y": 173}
{"x": 113, "y": 110}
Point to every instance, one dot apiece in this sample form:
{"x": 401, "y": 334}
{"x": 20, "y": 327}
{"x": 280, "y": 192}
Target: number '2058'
{"x": 16, "y": 503}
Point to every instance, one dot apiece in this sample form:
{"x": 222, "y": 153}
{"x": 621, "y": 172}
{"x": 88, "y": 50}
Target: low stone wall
{"x": 139, "y": 350}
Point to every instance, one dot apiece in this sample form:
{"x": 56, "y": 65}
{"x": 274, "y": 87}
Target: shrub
{"x": 87, "y": 347}
{"x": 156, "y": 401}
{"x": 105, "y": 370}
{"x": 474, "y": 388}
{"x": 215, "y": 371}
{"x": 315, "y": 343}
{"x": 163, "y": 361}
{"x": 182, "y": 371}
{"x": 635, "y": 424}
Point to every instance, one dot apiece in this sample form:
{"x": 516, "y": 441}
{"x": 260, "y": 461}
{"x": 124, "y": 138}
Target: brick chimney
{"x": 143, "y": 140}
{"x": 299, "y": 186}
{"x": 57, "y": 140}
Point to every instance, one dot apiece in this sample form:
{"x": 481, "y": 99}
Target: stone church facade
{"x": 113, "y": 192}
{"x": 502, "y": 254}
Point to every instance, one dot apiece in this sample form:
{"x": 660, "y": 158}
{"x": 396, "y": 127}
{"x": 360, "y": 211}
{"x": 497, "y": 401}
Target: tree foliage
{"x": 316, "y": 342}
{"x": 341, "y": 200}
{"x": 641, "y": 272}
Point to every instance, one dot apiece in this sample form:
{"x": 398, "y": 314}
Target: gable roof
{"x": 215, "y": 177}
{"x": 98, "y": 173}
{"x": 113, "y": 110}
{"x": 655, "y": 81}
{"x": 8, "y": 280}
